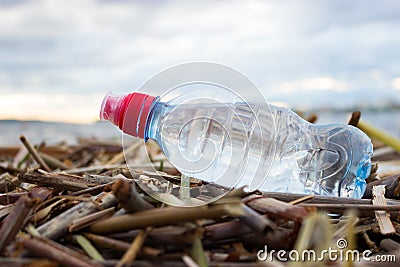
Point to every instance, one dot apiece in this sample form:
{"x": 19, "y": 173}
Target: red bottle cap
{"x": 128, "y": 112}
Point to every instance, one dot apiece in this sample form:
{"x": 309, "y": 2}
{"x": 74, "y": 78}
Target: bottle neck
{"x": 153, "y": 119}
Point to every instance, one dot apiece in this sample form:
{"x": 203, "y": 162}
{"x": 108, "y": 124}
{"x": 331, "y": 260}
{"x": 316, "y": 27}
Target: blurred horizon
{"x": 59, "y": 58}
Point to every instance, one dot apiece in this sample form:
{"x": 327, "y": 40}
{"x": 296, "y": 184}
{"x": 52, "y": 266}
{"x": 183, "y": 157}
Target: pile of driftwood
{"x": 79, "y": 206}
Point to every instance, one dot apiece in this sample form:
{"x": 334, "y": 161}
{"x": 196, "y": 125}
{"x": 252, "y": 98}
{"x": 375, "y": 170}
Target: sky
{"x": 59, "y": 58}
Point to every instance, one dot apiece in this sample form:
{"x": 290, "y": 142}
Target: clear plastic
{"x": 215, "y": 136}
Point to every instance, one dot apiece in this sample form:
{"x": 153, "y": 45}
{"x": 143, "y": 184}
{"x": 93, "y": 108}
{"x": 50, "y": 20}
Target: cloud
{"x": 81, "y": 48}
{"x": 313, "y": 84}
{"x": 396, "y": 83}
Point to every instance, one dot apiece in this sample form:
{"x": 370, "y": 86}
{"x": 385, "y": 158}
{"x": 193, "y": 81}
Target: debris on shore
{"x": 80, "y": 206}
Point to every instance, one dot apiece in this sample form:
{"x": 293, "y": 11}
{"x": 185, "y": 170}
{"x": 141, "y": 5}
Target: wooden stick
{"x": 34, "y": 153}
{"x": 189, "y": 261}
{"x": 15, "y": 221}
{"x": 5, "y": 210}
{"x": 276, "y": 208}
{"x": 365, "y": 210}
{"x": 380, "y": 135}
{"x": 57, "y": 226}
{"x": 95, "y": 190}
{"x": 107, "y": 242}
{"x": 385, "y": 225}
{"x": 52, "y": 250}
{"x": 87, "y": 220}
{"x": 101, "y": 179}
{"x": 163, "y": 216}
{"x": 287, "y": 197}
{"x": 255, "y": 221}
{"x": 57, "y": 180}
{"x": 9, "y": 198}
{"x": 120, "y": 156}
{"x": 226, "y": 230}
{"x": 88, "y": 248}
{"x": 133, "y": 250}
{"x": 28, "y": 262}
{"x": 54, "y": 162}
{"x": 354, "y": 118}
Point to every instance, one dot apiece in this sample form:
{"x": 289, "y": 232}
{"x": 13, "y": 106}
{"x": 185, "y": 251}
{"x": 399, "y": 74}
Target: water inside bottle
{"x": 235, "y": 144}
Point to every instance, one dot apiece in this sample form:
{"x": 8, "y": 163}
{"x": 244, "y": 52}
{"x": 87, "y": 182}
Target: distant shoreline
{"x": 392, "y": 108}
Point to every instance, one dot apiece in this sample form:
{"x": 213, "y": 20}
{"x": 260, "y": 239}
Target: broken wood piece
{"x": 128, "y": 197}
{"x": 258, "y": 223}
{"x": 392, "y": 187}
{"x": 44, "y": 213}
{"x": 15, "y": 221}
{"x": 57, "y": 226}
{"x": 354, "y": 118}
{"x": 87, "y": 220}
{"x": 226, "y": 230}
{"x": 41, "y": 193}
{"x": 383, "y": 218}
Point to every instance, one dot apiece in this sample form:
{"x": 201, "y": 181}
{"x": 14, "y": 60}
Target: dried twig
{"x": 133, "y": 250}
{"x": 256, "y": 222}
{"x": 9, "y": 198}
{"x": 354, "y": 118}
{"x": 88, "y": 247}
{"x": 364, "y": 210}
{"x": 107, "y": 242}
{"x": 169, "y": 215}
{"x": 276, "y": 208}
{"x": 15, "y": 221}
{"x": 58, "y": 181}
{"x": 57, "y": 226}
{"x": 52, "y": 250}
{"x": 34, "y": 153}
{"x": 54, "y": 162}
{"x": 120, "y": 156}
{"x": 88, "y": 220}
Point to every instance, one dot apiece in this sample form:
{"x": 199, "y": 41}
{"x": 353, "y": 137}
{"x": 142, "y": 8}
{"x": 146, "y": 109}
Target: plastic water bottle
{"x": 215, "y": 136}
